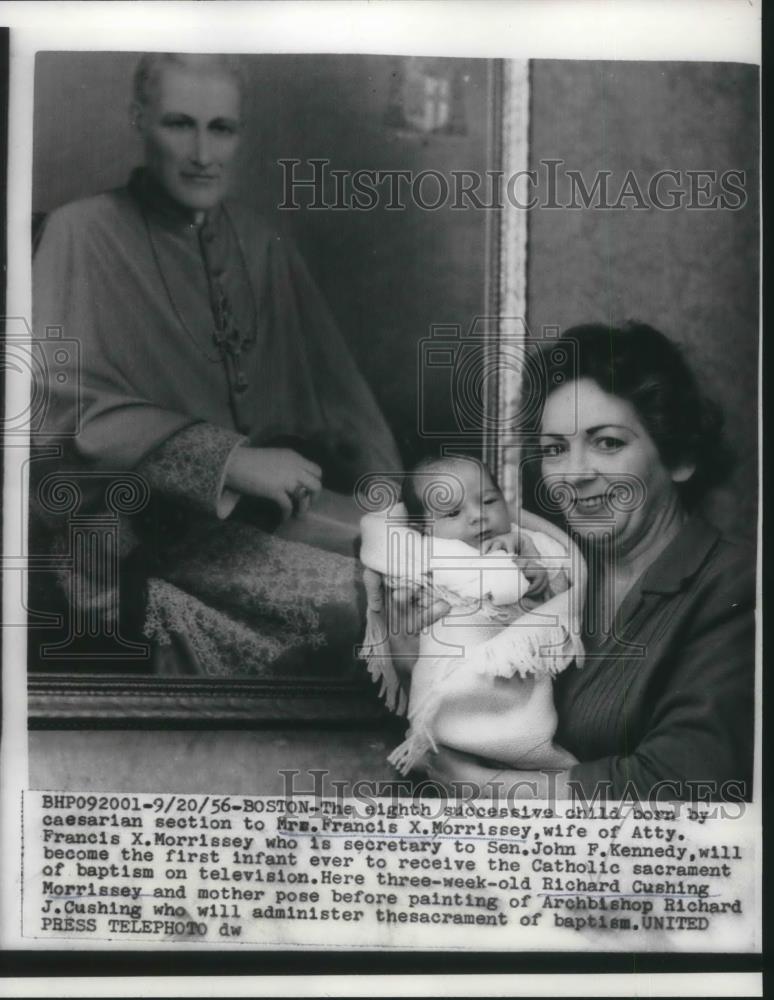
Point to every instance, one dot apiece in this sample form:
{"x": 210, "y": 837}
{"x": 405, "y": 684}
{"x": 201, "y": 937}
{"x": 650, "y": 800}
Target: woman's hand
{"x": 415, "y": 609}
{"x": 278, "y": 474}
{"x": 529, "y": 562}
{"x": 410, "y": 609}
{"x": 407, "y": 611}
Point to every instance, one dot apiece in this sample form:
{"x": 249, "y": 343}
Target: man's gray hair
{"x": 150, "y": 65}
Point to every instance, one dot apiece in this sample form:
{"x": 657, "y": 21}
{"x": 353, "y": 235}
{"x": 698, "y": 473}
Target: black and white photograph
{"x": 389, "y": 473}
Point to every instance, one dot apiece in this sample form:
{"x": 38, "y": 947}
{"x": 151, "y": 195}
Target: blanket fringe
{"x": 419, "y": 738}
{"x": 375, "y": 650}
{"x": 525, "y": 650}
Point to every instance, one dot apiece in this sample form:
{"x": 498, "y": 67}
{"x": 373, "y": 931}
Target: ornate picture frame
{"x": 58, "y": 699}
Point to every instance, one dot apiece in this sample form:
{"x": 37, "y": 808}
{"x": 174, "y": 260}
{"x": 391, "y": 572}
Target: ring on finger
{"x": 301, "y": 493}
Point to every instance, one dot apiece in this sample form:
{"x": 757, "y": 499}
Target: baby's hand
{"x": 530, "y": 565}
{"x": 501, "y": 543}
{"x": 528, "y": 559}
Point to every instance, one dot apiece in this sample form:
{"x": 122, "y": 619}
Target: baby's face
{"x": 476, "y": 512}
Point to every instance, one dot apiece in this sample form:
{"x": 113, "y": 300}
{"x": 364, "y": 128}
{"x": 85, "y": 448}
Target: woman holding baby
{"x": 212, "y": 369}
{"x": 663, "y": 704}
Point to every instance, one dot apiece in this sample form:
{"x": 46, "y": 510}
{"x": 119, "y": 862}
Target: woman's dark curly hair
{"x": 639, "y": 364}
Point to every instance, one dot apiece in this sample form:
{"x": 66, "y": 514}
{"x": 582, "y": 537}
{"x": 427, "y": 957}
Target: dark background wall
{"x": 390, "y": 275}
{"x": 691, "y": 273}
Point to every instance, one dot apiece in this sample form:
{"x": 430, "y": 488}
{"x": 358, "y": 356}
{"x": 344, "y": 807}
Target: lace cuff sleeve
{"x": 190, "y": 466}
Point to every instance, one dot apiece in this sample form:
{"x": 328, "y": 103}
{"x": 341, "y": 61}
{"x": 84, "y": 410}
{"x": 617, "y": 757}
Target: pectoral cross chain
{"x": 229, "y": 340}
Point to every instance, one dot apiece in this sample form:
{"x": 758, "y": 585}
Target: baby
{"x": 482, "y": 682}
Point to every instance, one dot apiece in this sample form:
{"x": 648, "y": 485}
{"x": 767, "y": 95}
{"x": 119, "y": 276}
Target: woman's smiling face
{"x": 190, "y": 128}
{"x": 602, "y": 465}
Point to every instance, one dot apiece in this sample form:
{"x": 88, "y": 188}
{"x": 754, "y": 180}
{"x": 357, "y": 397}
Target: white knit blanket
{"x": 482, "y": 682}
